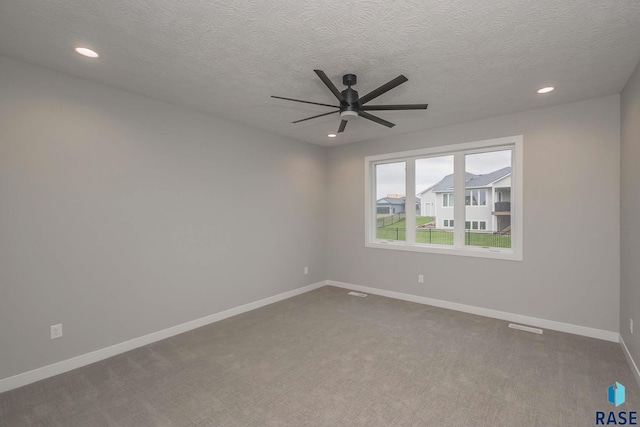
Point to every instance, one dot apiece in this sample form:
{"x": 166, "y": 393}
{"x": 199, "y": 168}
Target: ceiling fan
{"x": 353, "y": 106}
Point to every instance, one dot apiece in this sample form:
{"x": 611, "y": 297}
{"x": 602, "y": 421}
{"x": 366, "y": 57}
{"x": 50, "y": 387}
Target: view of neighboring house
{"x": 487, "y": 201}
{"x": 394, "y": 204}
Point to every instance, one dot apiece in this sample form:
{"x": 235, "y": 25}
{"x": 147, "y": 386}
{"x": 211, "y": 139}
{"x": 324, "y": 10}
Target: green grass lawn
{"x": 397, "y": 231}
{"x": 488, "y": 239}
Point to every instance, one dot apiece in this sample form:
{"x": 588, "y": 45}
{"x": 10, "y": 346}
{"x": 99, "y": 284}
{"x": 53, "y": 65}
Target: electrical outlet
{"x": 631, "y": 326}
{"x": 56, "y": 331}
{"x": 306, "y": 270}
{"x": 420, "y": 278}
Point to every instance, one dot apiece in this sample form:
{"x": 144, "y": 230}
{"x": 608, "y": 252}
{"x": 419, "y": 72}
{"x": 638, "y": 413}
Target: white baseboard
{"x": 38, "y": 374}
{"x": 632, "y": 363}
{"x": 44, "y": 372}
{"x": 502, "y": 315}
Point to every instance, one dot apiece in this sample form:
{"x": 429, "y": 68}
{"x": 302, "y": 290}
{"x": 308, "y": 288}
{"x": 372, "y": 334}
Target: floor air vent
{"x": 357, "y": 294}
{"x": 525, "y": 328}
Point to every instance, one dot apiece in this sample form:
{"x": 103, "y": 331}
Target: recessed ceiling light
{"x": 546, "y": 89}
{"x": 332, "y": 135}
{"x": 87, "y": 52}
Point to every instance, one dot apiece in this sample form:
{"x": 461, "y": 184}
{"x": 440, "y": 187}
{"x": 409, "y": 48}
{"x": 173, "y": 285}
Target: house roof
{"x": 394, "y": 201}
{"x": 391, "y": 201}
{"x": 427, "y": 189}
{"x": 489, "y": 178}
{"x": 447, "y": 182}
{"x": 471, "y": 180}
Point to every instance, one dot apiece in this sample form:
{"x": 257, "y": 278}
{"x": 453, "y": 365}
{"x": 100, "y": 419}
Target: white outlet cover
{"x": 420, "y": 278}
{"x": 56, "y": 331}
{"x": 631, "y": 326}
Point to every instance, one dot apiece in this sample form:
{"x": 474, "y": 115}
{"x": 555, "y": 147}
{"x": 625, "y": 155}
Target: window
{"x": 479, "y": 183}
{"x": 430, "y": 228}
{"x": 390, "y": 191}
{"x": 475, "y": 197}
{"x": 475, "y": 225}
{"x": 491, "y": 169}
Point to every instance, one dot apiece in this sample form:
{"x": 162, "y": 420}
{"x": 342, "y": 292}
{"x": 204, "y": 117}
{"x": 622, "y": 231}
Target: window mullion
{"x": 459, "y": 195}
{"x": 410, "y": 201}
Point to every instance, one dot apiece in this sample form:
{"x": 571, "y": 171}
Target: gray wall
{"x": 630, "y": 214}
{"x": 121, "y": 215}
{"x": 570, "y": 271}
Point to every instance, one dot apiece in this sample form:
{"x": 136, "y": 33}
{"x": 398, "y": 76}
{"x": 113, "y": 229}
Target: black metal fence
{"x": 445, "y": 237}
{"x": 487, "y": 238}
{"x": 390, "y": 219}
{"x": 434, "y": 236}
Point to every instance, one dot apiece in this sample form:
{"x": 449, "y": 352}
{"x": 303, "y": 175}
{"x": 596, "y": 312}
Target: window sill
{"x": 469, "y": 251}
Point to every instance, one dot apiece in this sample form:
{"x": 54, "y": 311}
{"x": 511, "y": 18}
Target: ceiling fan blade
{"x": 306, "y": 102}
{"x": 330, "y": 85}
{"x": 395, "y": 107}
{"x": 343, "y": 124}
{"x": 382, "y": 89}
{"x": 319, "y": 115}
{"x": 375, "y": 119}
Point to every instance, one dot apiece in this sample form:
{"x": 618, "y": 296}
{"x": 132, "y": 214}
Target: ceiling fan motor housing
{"x": 350, "y": 100}
{"x": 349, "y": 79}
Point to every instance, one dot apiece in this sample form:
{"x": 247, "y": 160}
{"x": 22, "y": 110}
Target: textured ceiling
{"x": 467, "y": 59}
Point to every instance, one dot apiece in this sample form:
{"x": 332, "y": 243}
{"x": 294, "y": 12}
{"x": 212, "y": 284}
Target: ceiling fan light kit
{"x": 348, "y": 115}
{"x": 352, "y": 105}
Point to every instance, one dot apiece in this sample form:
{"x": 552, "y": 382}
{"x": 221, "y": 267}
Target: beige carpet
{"x": 328, "y": 359}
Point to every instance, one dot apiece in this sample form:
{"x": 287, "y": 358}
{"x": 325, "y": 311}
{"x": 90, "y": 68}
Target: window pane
{"x": 434, "y": 183}
{"x": 390, "y": 201}
{"x": 490, "y": 175}
{"x": 482, "y": 198}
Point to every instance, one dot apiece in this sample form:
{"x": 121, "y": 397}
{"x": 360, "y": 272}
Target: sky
{"x": 391, "y": 176}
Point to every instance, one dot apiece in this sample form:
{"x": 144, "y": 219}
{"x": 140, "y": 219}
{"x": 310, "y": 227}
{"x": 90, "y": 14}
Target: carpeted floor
{"x": 328, "y": 359}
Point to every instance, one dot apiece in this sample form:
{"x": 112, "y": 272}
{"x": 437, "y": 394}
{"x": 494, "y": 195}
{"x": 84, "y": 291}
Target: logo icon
{"x": 616, "y": 394}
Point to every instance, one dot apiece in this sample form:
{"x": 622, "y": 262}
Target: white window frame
{"x": 477, "y": 191}
{"x": 459, "y": 151}
{"x": 448, "y": 197}
{"x": 478, "y": 224}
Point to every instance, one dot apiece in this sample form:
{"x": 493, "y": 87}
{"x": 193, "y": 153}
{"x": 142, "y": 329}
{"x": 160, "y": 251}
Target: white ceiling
{"x": 468, "y": 59}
